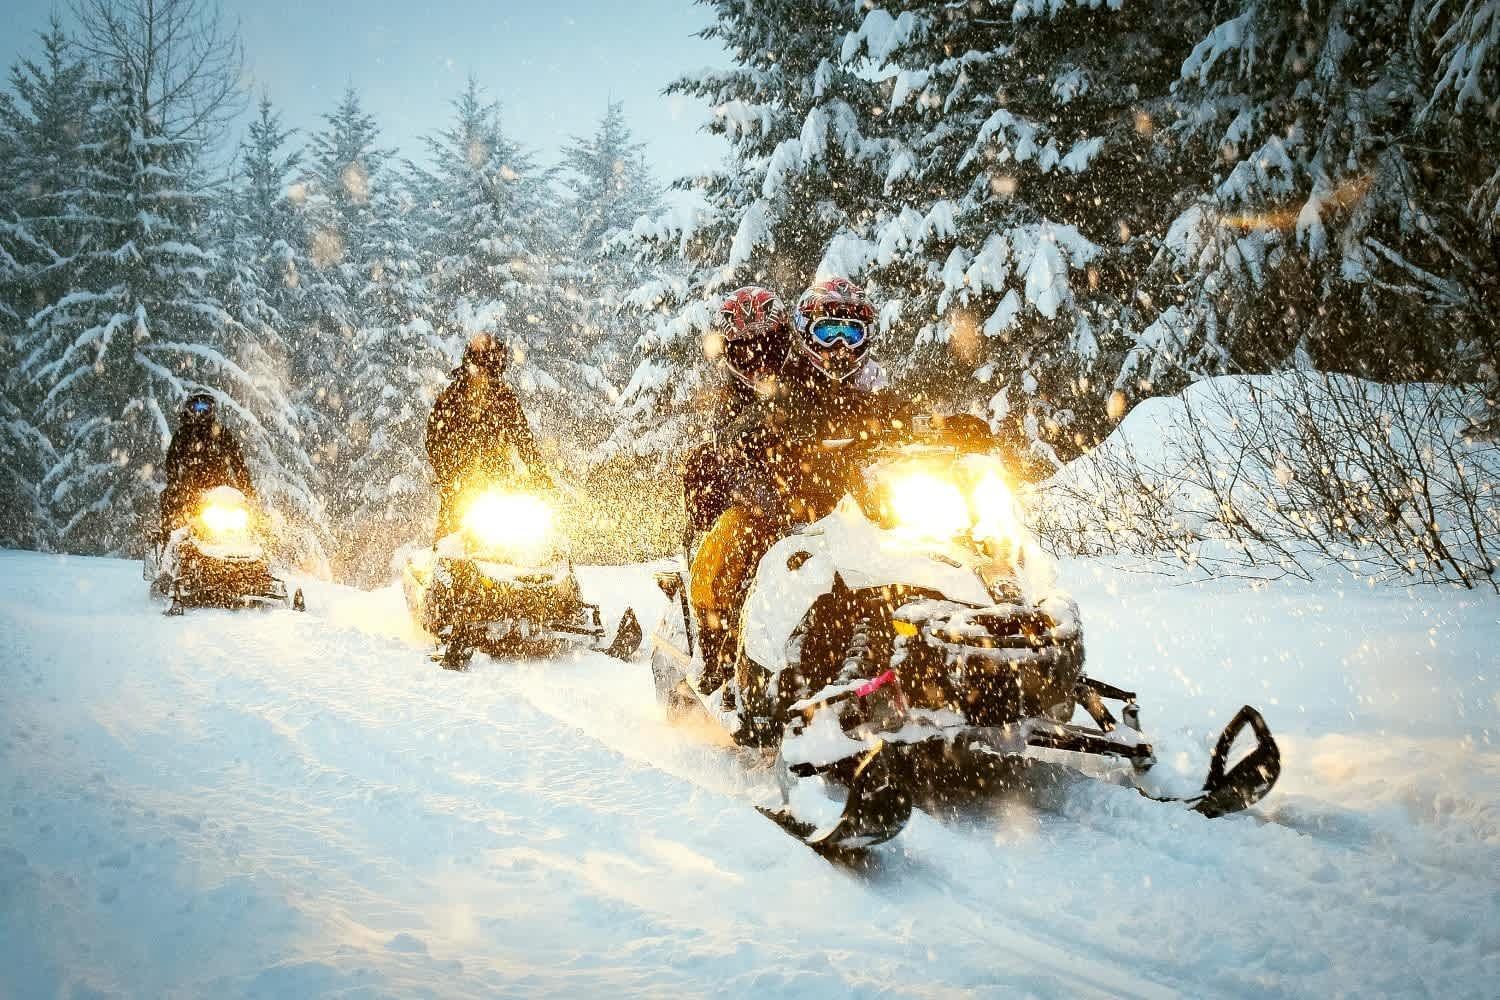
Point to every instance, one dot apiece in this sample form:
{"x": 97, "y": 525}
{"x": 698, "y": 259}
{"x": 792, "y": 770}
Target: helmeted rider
{"x": 203, "y": 454}
{"x": 754, "y": 332}
{"x": 476, "y": 431}
{"x": 824, "y": 386}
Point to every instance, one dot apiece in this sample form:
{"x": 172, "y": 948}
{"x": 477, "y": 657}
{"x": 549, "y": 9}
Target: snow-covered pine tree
{"x": 398, "y": 369}
{"x": 1324, "y": 230}
{"x": 495, "y": 238}
{"x": 366, "y": 359}
{"x": 136, "y": 328}
{"x": 1460, "y": 48}
{"x": 609, "y": 186}
{"x": 1022, "y": 188}
{"x": 802, "y": 168}
{"x": 258, "y": 279}
{"x": 42, "y": 117}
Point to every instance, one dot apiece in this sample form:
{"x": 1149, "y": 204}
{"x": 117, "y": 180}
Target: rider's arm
{"x": 238, "y": 470}
{"x": 440, "y": 434}
{"x": 521, "y": 438}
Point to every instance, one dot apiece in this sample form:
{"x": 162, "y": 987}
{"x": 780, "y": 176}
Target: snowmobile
{"x": 914, "y": 639}
{"x": 217, "y": 559}
{"x": 504, "y": 583}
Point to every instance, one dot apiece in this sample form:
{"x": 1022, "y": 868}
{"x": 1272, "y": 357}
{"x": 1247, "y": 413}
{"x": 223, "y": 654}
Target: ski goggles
{"x": 830, "y": 331}
{"x": 200, "y": 407}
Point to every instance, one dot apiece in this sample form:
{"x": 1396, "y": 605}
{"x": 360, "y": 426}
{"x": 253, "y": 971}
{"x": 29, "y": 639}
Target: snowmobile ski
{"x": 1244, "y": 784}
{"x": 627, "y": 637}
{"x": 876, "y": 810}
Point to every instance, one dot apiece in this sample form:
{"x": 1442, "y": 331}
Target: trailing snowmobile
{"x": 504, "y": 583}
{"x": 913, "y": 639}
{"x": 217, "y": 559}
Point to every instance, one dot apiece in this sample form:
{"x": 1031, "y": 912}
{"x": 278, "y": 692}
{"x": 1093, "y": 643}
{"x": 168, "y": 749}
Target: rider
{"x": 202, "y": 455}
{"x": 754, "y": 329}
{"x": 475, "y": 427}
{"x": 827, "y": 388}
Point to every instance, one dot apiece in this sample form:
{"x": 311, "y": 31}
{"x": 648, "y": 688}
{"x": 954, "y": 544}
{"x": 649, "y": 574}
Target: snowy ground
{"x": 273, "y": 804}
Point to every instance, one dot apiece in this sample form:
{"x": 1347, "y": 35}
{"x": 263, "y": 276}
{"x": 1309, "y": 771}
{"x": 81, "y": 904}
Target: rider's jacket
{"x": 202, "y": 455}
{"x": 475, "y": 427}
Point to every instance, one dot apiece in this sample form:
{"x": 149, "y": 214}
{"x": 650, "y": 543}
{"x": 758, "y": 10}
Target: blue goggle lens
{"x": 831, "y": 331}
{"x": 200, "y": 406}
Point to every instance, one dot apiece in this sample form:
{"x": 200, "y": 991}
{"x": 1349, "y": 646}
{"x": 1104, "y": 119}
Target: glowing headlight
{"x": 926, "y": 505}
{"x": 994, "y": 508}
{"x": 496, "y": 519}
{"x": 223, "y": 520}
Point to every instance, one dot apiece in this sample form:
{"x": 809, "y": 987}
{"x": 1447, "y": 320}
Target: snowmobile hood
{"x": 800, "y": 568}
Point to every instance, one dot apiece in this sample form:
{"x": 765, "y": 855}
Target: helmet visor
{"x": 830, "y": 330}
{"x": 200, "y": 406}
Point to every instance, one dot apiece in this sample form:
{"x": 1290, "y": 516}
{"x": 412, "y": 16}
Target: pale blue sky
{"x": 552, "y": 63}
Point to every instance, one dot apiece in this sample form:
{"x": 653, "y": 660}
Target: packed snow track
{"x": 280, "y": 804}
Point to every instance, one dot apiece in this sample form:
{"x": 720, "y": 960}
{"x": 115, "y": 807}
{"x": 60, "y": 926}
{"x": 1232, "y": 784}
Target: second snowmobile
{"x": 504, "y": 583}
{"x": 217, "y": 559}
{"x": 911, "y": 639}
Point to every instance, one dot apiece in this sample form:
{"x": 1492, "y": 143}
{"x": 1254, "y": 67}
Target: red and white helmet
{"x": 757, "y": 334}
{"x": 834, "y": 323}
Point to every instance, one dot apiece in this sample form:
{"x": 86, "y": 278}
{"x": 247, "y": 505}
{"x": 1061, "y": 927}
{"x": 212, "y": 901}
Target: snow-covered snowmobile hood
{"x": 800, "y": 568}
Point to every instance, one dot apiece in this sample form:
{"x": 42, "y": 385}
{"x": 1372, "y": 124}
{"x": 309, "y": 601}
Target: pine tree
{"x": 41, "y": 125}
{"x": 802, "y": 169}
{"x": 1023, "y": 188}
{"x": 1327, "y": 227}
{"x": 369, "y": 358}
{"x": 609, "y": 186}
{"x": 136, "y": 328}
{"x": 258, "y": 279}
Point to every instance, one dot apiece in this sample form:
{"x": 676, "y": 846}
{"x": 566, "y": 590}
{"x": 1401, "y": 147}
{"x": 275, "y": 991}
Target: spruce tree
{"x": 1023, "y": 187}
{"x": 42, "y": 118}
{"x": 1329, "y": 225}
{"x": 136, "y": 328}
{"x": 368, "y": 361}
{"x": 803, "y": 167}
{"x": 259, "y": 280}
{"x": 609, "y": 186}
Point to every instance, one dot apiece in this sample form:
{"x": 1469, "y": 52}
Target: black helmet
{"x": 487, "y": 353}
{"x": 199, "y": 407}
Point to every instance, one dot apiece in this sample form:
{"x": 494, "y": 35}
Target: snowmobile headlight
{"x": 995, "y": 512}
{"x": 928, "y": 506}
{"x": 224, "y": 520}
{"x": 500, "y": 520}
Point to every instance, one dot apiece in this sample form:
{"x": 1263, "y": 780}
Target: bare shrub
{"x": 1276, "y": 475}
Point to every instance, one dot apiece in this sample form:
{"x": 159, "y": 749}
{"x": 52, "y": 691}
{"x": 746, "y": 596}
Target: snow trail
{"x": 272, "y": 804}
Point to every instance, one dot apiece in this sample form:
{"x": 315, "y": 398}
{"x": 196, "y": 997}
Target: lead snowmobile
{"x": 504, "y": 583}
{"x": 217, "y": 559}
{"x": 914, "y": 638}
